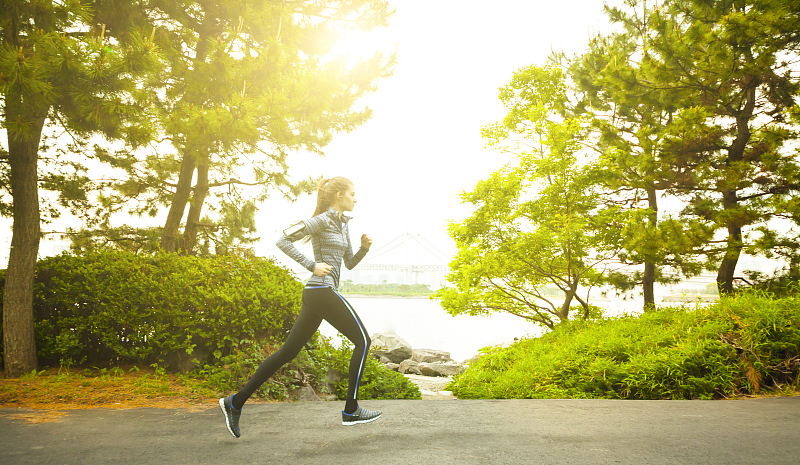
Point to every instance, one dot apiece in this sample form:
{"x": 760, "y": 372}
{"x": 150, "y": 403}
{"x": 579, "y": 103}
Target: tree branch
{"x": 236, "y": 181}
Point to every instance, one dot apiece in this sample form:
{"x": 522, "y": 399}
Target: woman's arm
{"x": 286, "y": 242}
{"x": 350, "y": 260}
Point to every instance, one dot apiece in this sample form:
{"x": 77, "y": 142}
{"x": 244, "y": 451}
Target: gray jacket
{"x": 330, "y": 239}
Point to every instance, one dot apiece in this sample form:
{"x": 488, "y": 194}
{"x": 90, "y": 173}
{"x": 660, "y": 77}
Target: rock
{"x": 331, "y": 378}
{"x": 329, "y": 397}
{"x": 441, "y": 368}
{"x": 391, "y": 346}
{"x": 430, "y": 355}
{"x": 304, "y": 394}
{"x": 409, "y": 366}
{"x": 392, "y": 366}
{"x": 385, "y": 360}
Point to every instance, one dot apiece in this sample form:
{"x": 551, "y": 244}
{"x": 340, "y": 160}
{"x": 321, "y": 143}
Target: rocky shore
{"x": 396, "y": 354}
{"x": 430, "y": 369}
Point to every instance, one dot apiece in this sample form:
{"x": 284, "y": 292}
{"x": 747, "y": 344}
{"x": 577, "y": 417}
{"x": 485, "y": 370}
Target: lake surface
{"x": 425, "y": 325}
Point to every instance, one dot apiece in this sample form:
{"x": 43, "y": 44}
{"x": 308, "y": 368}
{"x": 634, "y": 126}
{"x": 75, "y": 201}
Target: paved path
{"x": 759, "y": 431}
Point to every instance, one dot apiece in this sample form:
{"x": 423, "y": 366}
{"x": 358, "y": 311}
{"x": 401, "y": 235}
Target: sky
{"x": 422, "y": 147}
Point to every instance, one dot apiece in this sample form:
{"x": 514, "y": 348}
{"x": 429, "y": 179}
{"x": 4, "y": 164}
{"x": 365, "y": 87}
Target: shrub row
{"x": 220, "y": 316}
{"x": 117, "y": 307}
{"x": 738, "y": 345}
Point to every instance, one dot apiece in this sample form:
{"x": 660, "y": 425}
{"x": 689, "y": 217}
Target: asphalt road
{"x": 757, "y": 431}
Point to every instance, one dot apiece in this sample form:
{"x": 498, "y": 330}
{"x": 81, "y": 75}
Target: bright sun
{"x": 358, "y": 44}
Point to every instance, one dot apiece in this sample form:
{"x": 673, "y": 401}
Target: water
{"x": 425, "y": 325}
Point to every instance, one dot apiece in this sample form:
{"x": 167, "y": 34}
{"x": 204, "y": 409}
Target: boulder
{"x": 441, "y": 368}
{"x": 385, "y": 360}
{"x": 391, "y": 346}
{"x": 430, "y": 356}
{"x": 392, "y": 366}
{"x": 409, "y": 366}
{"x": 304, "y": 394}
{"x": 331, "y": 378}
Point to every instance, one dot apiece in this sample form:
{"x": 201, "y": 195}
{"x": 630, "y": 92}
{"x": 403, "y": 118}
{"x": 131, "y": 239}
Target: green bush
{"x": 233, "y": 370}
{"x": 226, "y": 313}
{"x": 738, "y": 345}
{"x": 118, "y": 307}
{"x": 312, "y": 366}
{"x": 377, "y": 382}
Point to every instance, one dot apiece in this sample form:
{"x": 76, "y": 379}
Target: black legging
{"x": 319, "y": 302}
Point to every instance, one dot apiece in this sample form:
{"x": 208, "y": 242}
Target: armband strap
{"x": 296, "y": 231}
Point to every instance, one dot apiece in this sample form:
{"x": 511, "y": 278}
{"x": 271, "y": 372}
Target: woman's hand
{"x": 321, "y": 269}
{"x": 366, "y": 241}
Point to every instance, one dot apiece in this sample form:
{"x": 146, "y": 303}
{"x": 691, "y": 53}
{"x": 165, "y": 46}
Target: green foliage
{"x": 232, "y": 370}
{"x": 739, "y": 345}
{"x": 536, "y": 221}
{"x": 627, "y": 121}
{"x": 243, "y": 84}
{"x": 706, "y": 92}
{"x": 314, "y": 364}
{"x": 377, "y": 382}
{"x": 123, "y": 238}
{"x": 227, "y": 314}
{"x": 62, "y": 62}
{"x": 401, "y": 290}
{"x": 785, "y": 282}
{"x": 117, "y": 307}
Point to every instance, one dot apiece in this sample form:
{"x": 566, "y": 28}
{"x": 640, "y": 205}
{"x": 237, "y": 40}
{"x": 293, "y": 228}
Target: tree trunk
{"x": 196, "y": 206}
{"x": 730, "y": 197}
{"x": 649, "y": 277}
{"x": 733, "y": 250}
{"x": 170, "y": 237}
{"x": 570, "y": 293}
{"x": 19, "y": 343}
{"x": 563, "y": 312}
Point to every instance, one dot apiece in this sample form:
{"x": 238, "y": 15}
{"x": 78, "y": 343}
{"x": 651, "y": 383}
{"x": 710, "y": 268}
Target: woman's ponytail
{"x": 327, "y": 190}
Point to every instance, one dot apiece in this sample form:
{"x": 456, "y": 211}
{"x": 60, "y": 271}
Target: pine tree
{"x": 729, "y": 67}
{"x": 696, "y": 99}
{"x": 59, "y": 62}
{"x": 628, "y": 121}
{"x": 245, "y": 84}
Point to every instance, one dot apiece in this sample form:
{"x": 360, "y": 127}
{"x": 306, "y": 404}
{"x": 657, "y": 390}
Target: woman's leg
{"x": 341, "y": 315}
{"x": 304, "y": 327}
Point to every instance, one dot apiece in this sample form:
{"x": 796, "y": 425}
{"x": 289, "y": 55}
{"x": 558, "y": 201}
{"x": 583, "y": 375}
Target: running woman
{"x": 330, "y": 238}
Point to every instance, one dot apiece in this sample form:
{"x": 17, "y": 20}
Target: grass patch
{"x": 64, "y": 389}
{"x": 743, "y": 345}
{"x": 135, "y": 386}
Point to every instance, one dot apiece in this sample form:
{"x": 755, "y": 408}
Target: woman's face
{"x": 346, "y": 200}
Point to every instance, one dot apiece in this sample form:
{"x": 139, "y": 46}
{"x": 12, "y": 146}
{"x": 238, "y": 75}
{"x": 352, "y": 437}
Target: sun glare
{"x": 357, "y": 44}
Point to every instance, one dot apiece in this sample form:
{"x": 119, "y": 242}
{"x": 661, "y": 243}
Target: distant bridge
{"x": 403, "y": 268}
{"x": 412, "y": 244}
{"x": 409, "y": 254}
